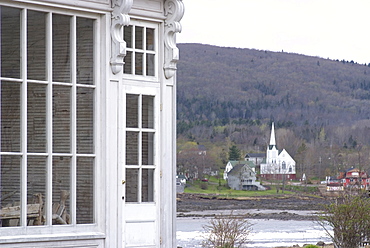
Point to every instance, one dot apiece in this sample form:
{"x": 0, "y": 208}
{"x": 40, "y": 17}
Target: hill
{"x": 231, "y": 83}
{"x": 232, "y": 95}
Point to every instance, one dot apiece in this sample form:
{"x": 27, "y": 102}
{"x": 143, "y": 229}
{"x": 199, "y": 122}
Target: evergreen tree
{"x": 234, "y": 153}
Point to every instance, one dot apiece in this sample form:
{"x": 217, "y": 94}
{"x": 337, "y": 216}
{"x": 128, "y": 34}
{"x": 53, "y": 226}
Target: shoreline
{"x": 254, "y": 214}
{"x": 298, "y": 207}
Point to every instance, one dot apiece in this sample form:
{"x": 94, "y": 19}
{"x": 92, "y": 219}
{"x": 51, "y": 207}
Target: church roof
{"x": 272, "y": 137}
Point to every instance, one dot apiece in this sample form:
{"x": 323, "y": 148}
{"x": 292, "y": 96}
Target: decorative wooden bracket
{"x": 120, "y": 18}
{"x": 174, "y": 11}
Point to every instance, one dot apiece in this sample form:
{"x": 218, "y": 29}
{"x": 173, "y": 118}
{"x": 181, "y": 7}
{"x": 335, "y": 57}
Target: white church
{"x": 278, "y": 165}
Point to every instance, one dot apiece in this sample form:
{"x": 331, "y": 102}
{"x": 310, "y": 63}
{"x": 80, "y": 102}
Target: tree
{"x": 227, "y": 232}
{"x": 234, "y": 153}
{"x": 350, "y": 220}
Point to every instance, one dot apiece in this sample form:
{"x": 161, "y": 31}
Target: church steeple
{"x": 272, "y": 138}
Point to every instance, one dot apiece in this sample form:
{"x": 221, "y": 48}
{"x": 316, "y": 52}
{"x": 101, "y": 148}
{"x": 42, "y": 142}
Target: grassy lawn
{"x": 218, "y": 187}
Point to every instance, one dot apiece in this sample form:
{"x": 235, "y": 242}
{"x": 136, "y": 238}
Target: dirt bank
{"x": 281, "y": 203}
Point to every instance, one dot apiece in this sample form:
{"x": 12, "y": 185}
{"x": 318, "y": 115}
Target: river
{"x": 265, "y": 232}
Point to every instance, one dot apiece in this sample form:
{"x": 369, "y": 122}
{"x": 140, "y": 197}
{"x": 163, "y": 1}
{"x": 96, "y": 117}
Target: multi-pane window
{"x": 141, "y": 52}
{"x": 47, "y": 90}
{"x": 140, "y": 140}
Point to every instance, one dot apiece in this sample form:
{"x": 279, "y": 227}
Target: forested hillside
{"x": 321, "y": 107}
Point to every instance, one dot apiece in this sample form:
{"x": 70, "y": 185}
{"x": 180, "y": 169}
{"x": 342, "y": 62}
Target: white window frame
{"x": 148, "y": 90}
{"x": 147, "y": 24}
{"x": 51, "y": 232}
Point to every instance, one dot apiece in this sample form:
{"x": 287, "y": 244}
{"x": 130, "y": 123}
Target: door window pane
{"x": 148, "y": 149}
{"x": 10, "y": 42}
{"x": 148, "y": 112}
{"x": 132, "y": 185}
{"x": 36, "y": 45}
{"x": 10, "y": 117}
{"x": 132, "y": 110}
{"x": 61, "y": 48}
{"x": 10, "y": 192}
{"x": 140, "y": 151}
{"x": 132, "y": 146}
{"x": 147, "y": 190}
{"x": 36, "y": 118}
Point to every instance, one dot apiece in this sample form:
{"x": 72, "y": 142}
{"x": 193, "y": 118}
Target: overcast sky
{"x": 335, "y": 29}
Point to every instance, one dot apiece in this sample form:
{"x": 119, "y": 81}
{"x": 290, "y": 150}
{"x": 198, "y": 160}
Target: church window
{"x": 283, "y": 165}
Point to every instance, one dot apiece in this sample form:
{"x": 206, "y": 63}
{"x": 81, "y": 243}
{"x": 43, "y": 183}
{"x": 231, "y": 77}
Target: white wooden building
{"x": 87, "y": 136}
{"x": 279, "y": 165}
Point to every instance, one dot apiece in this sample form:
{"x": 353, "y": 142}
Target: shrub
{"x": 349, "y": 219}
{"x": 204, "y": 186}
{"x": 226, "y": 232}
{"x": 311, "y": 246}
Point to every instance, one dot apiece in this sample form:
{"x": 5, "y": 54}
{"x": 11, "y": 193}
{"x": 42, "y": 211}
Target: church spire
{"x": 272, "y": 138}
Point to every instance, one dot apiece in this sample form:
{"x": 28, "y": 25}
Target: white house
{"x": 87, "y": 136}
{"x": 243, "y": 177}
{"x": 229, "y": 166}
{"x": 278, "y": 165}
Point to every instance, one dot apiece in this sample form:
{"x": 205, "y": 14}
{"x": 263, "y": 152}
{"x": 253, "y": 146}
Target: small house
{"x": 243, "y": 177}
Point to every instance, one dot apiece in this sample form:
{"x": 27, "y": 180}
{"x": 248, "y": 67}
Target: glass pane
{"x": 85, "y": 120}
{"x": 147, "y": 191}
{"x": 36, "y": 190}
{"x": 132, "y": 184}
{"x": 150, "y": 39}
{"x": 36, "y": 48}
{"x": 10, "y": 42}
{"x": 85, "y": 51}
{"x": 139, "y": 63}
{"x": 132, "y": 148}
{"x": 10, "y": 117}
{"x": 128, "y": 36}
{"x": 132, "y": 110}
{"x": 147, "y": 112}
{"x": 139, "y": 37}
{"x": 150, "y": 64}
{"x": 85, "y": 190}
{"x": 61, "y": 48}
{"x": 128, "y": 63}
{"x": 10, "y": 193}
{"x": 61, "y": 190}
{"x": 61, "y": 118}
{"x": 36, "y": 118}
{"x": 148, "y": 149}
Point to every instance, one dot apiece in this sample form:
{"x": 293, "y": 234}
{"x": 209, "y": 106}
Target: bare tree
{"x": 349, "y": 220}
{"x": 227, "y": 232}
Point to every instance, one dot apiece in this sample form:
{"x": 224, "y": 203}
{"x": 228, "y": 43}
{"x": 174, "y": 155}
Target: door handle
{"x": 123, "y": 182}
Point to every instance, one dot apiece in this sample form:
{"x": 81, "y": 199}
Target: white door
{"x": 140, "y": 169}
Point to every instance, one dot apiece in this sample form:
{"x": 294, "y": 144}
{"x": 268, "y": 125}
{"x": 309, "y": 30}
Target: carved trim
{"x": 174, "y": 11}
{"x": 120, "y": 18}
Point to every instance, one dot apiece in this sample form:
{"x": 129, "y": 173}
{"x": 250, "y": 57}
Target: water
{"x": 265, "y": 233}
